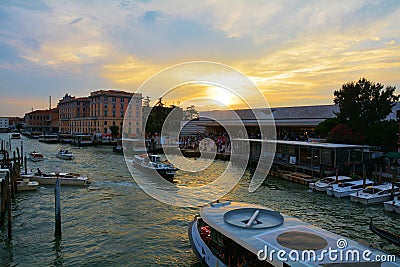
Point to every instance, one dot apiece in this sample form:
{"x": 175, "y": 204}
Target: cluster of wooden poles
{"x": 12, "y": 168}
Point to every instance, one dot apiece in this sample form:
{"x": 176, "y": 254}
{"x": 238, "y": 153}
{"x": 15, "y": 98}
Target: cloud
{"x": 285, "y": 47}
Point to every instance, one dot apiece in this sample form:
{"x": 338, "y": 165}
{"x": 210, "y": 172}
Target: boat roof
{"x": 276, "y": 231}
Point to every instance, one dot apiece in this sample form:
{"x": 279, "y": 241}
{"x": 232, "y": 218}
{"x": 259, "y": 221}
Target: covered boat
{"x": 241, "y": 234}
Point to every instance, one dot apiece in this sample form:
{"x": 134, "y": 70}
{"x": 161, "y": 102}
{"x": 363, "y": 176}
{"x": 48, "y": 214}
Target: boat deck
{"x": 292, "y": 235}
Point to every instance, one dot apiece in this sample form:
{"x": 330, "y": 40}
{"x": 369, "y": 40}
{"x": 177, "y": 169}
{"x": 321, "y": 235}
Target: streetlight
{"x": 57, "y": 171}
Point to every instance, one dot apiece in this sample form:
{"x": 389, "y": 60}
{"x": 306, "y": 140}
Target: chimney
{"x": 49, "y": 102}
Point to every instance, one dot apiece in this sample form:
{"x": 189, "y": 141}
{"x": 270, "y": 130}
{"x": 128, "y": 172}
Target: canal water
{"x": 114, "y": 223}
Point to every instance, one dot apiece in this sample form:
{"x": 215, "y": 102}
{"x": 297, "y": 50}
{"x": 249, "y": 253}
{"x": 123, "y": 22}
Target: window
{"x": 105, "y": 130}
{"x": 113, "y": 123}
{"x": 105, "y": 122}
{"x": 105, "y": 106}
{"x": 113, "y": 106}
{"x": 114, "y": 99}
{"x": 105, "y": 98}
{"x": 113, "y": 113}
{"x": 105, "y": 113}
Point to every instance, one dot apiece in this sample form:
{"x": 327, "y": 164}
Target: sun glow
{"x": 221, "y": 95}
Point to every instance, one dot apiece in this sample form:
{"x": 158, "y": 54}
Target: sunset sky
{"x": 296, "y": 52}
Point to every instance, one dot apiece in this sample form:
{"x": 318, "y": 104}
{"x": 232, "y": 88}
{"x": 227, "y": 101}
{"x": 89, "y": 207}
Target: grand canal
{"x": 114, "y": 223}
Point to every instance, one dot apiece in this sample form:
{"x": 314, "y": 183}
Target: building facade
{"x": 45, "y": 121}
{"x": 101, "y": 112}
{"x": 4, "y": 125}
{"x": 74, "y": 115}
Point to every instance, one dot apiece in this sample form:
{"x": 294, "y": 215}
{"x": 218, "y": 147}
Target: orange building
{"x": 74, "y": 115}
{"x": 45, "y": 121}
{"x": 98, "y": 112}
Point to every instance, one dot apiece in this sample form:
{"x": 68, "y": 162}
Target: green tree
{"x": 325, "y": 127}
{"x": 114, "y": 131}
{"x": 364, "y": 103}
{"x": 383, "y": 134}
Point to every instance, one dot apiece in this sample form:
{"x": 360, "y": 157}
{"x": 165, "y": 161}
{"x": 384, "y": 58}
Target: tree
{"x": 383, "y": 134}
{"x": 342, "y": 134}
{"x": 364, "y": 103}
{"x": 325, "y": 127}
{"x": 114, "y": 131}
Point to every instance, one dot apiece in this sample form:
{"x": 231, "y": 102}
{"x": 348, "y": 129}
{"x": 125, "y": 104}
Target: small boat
{"x": 393, "y": 205}
{"x": 15, "y": 136}
{"x": 49, "y": 139}
{"x": 153, "y": 163}
{"x": 374, "y": 194}
{"x": 392, "y": 238}
{"x": 242, "y": 234}
{"x": 63, "y": 177}
{"x": 36, "y": 156}
{"x": 65, "y": 154}
{"x": 346, "y": 188}
{"x": 324, "y": 183}
{"x": 26, "y": 185}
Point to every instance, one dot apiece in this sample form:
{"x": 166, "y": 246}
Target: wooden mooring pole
{"x": 57, "y": 232}
{"x": 3, "y": 202}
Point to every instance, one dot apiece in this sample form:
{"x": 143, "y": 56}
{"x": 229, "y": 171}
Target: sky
{"x": 296, "y": 52}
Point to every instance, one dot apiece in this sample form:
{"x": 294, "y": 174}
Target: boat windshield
{"x": 371, "y": 190}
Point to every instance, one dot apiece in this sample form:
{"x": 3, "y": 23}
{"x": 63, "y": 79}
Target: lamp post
{"x": 57, "y": 232}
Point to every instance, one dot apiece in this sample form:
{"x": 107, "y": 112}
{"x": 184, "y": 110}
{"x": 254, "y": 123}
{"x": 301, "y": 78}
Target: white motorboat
{"x": 346, "y": 188}
{"x": 374, "y": 194}
{"x": 27, "y": 185}
{"x": 393, "y": 205}
{"x": 241, "y": 234}
{"x": 36, "y": 156}
{"x": 153, "y": 163}
{"x": 324, "y": 183}
{"x": 63, "y": 177}
{"x": 65, "y": 154}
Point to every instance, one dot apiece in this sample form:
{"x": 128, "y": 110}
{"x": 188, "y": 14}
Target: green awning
{"x": 392, "y": 155}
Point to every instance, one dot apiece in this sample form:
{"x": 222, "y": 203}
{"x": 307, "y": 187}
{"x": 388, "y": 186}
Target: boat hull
{"x": 201, "y": 249}
{"x": 367, "y": 201}
{"x": 51, "y": 180}
{"x": 166, "y": 174}
{"x": 27, "y": 186}
{"x": 66, "y": 156}
{"x": 392, "y": 206}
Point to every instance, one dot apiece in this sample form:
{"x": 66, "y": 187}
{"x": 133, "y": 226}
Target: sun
{"x": 221, "y": 95}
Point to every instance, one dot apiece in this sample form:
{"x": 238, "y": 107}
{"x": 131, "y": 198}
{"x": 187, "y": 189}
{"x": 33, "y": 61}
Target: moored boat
{"x": 65, "y": 154}
{"x": 241, "y": 234}
{"x": 393, "y": 205}
{"x": 49, "y": 138}
{"x": 324, "y": 183}
{"x": 26, "y": 185}
{"x": 153, "y": 163}
{"x": 63, "y": 177}
{"x": 36, "y": 156}
{"x": 375, "y": 194}
{"x": 82, "y": 140}
{"x": 346, "y": 188}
